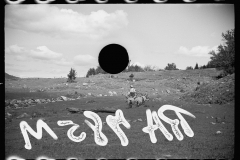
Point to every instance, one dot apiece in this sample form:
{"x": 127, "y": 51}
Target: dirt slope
{"x": 219, "y": 91}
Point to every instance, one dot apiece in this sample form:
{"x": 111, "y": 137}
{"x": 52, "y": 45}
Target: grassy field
{"x": 206, "y": 143}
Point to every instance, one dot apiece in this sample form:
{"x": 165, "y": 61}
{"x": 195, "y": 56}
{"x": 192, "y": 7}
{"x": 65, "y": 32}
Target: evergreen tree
{"x": 90, "y": 72}
{"x": 72, "y": 75}
{"x": 196, "y": 67}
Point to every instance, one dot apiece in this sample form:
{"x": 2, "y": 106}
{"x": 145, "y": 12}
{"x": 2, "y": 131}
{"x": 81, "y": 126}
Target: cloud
{"x": 63, "y": 62}
{"x": 44, "y": 53}
{"x": 198, "y": 51}
{"x": 15, "y": 49}
{"x": 54, "y": 21}
{"x": 84, "y": 60}
{"x": 17, "y": 52}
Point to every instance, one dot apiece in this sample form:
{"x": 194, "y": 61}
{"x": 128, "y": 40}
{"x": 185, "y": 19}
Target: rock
{"x": 91, "y": 101}
{"x": 23, "y": 115}
{"x": 38, "y": 101}
{"x": 73, "y": 110}
{"x": 218, "y": 119}
{"x": 34, "y": 115}
{"x": 64, "y": 98}
{"x": 167, "y": 91}
{"x": 139, "y": 119}
{"x": 218, "y": 132}
{"x": 7, "y": 102}
{"x": 29, "y": 101}
{"x": 167, "y": 156}
{"x": 13, "y": 101}
{"x": 100, "y": 95}
{"x": 114, "y": 92}
{"x": 42, "y": 100}
{"x": 8, "y": 114}
{"x": 18, "y": 101}
{"x": 89, "y": 94}
{"x": 85, "y": 84}
{"x": 15, "y": 105}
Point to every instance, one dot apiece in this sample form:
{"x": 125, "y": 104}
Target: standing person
{"x": 132, "y": 92}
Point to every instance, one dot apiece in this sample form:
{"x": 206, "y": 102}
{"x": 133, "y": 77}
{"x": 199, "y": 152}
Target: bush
{"x": 189, "y": 68}
{"x": 148, "y": 68}
{"x": 90, "y": 72}
{"x": 171, "y": 67}
{"x": 203, "y": 67}
{"x": 72, "y": 75}
{"x": 100, "y": 70}
{"x": 135, "y": 68}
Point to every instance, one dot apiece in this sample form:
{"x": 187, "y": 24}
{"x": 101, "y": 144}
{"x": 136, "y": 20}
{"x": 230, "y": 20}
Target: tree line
{"x": 222, "y": 59}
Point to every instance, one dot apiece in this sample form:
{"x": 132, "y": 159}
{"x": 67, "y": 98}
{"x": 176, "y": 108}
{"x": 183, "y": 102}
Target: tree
{"x": 171, "y": 66}
{"x": 99, "y": 70}
{"x": 72, "y": 75}
{"x": 189, "y": 68}
{"x": 224, "y": 59}
{"x": 203, "y": 67}
{"x": 149, "y": 68}
{"x": 90, "y": 72}
{"x": 128, "y": 65}
{"x": 196, "y": 67}
{"x": 135, "y": 68}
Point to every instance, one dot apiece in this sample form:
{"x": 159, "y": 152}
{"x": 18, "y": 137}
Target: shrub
{"x": 135, "y": 68}
{"x": 148, "y": 68}
{"x": 90, "y": 72}
{"x": 171, "y": 66}
{"x": 72, "y": 75}
{"x": 189, "y": 68}
{"x": 100, "y": 70}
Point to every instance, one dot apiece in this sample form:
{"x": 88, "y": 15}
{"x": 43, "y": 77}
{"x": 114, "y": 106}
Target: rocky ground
{"x": 220, "y": 91}
{"x": 211, "y": 100}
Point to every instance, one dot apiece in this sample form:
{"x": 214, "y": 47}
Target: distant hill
{"x": 8, "y": 76}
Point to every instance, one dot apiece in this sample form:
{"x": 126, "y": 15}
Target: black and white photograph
{"x": 127, "y": 80}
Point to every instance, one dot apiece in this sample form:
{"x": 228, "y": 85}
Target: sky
{"x": 46, "y": 41}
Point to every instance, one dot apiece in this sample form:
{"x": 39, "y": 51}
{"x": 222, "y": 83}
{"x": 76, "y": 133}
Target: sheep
{"x": 130, "y": 100}
{"x": 141, "y": 99}
{"x": 138, "y": 100}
